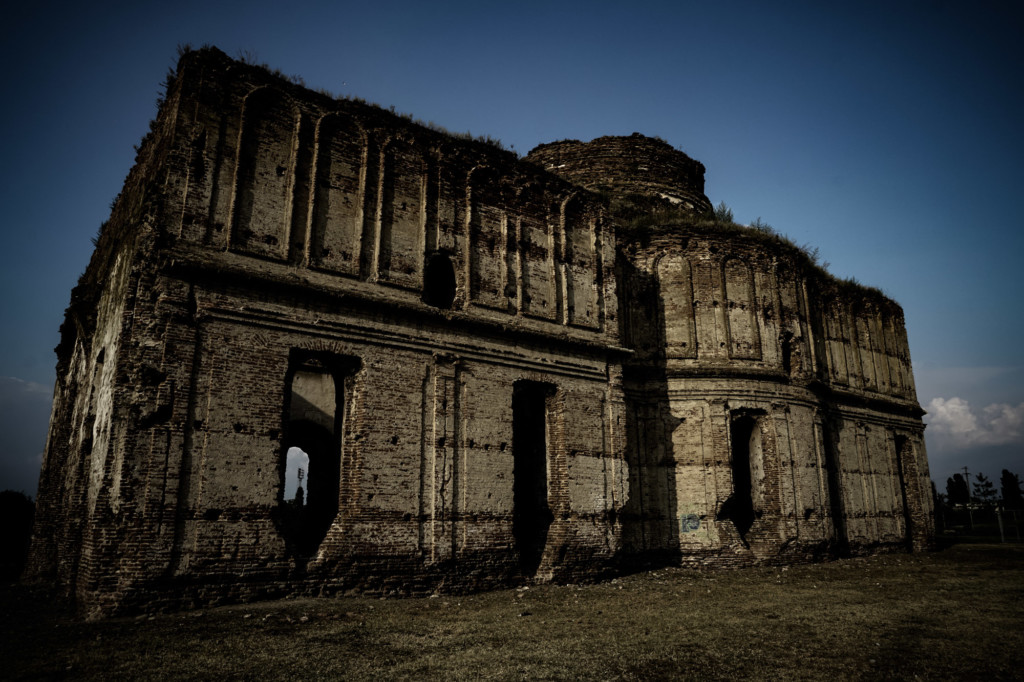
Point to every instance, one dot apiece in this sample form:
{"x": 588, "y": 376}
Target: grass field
{"x": 954, "y": 614}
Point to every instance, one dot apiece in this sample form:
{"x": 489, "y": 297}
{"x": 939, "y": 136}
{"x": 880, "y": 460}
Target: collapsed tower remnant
{"x": 489, "y": 370}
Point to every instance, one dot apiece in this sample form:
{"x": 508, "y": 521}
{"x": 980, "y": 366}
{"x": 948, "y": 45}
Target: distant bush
{"x": 643, "y": 217}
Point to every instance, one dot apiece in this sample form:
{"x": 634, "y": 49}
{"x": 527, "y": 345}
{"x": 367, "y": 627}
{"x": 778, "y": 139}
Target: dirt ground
{"x": 952, "y": 614}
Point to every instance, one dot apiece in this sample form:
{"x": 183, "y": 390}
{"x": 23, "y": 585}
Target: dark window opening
{"x": 439, "y": 281}
{"x": 532, "y": 515}
{"x": 309, "y": 514}
{"x": 787, "y": 351}
{"x": 739, "y": 508}
{"x": 311, "y": 470}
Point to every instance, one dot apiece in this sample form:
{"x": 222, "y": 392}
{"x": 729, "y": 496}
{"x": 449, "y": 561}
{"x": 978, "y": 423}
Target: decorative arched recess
{"x": 487, "y": 234}
{"x": 339, "y": 190}
{"x": 581, "y": 264}
{"x": 265, "y": 175}
{"x": 897, "y": 384}
{"x": 835, "y": 347}
{"x": 744, "y": 337}
{"x": 676, "y": 285}
{"x": 866, "y": 342}
{"x": 401, "y": 214}
{"x": 536, "y": 249}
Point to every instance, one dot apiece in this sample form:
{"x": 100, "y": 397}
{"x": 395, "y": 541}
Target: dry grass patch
{"x": 951, "y": 614}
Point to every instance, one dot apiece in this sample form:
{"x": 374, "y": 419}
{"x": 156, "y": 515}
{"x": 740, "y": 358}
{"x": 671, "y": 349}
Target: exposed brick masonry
{"x": 491, "y": 381}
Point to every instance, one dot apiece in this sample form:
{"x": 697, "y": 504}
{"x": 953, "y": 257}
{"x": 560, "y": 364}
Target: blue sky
{"x": 885, "y": 134}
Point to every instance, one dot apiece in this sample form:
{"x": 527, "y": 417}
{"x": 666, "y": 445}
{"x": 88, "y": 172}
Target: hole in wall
{"x": 746, "y": 446}
{"x": 786, "y": 341}
{"x": 296, "y": 470}
{"x": 439, "y": 282}
{"x": 311, "y": 471}
{"x": 532, "y": 515}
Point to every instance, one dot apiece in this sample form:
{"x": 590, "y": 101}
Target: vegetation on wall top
{"x": 644, "y": 218}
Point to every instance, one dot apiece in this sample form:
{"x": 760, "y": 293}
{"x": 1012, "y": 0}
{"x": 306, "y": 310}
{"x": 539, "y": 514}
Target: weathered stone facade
{"x": 494, "y": 378}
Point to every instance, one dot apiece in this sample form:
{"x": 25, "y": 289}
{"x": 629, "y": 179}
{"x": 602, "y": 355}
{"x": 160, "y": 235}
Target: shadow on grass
{"x": 954, "y": 613}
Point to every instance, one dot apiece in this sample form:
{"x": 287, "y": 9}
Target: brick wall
{"x": 284, "y": 269}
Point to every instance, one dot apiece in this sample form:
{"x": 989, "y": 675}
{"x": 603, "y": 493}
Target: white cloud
{"x": 12, "y": 386}
{"x": 963, "y": 426}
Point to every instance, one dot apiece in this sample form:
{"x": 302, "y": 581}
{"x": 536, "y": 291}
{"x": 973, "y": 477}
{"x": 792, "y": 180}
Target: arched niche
{"x": 339, "y": 186}
{"x": 487, "y": 235}
{"x": 897, "y": 384}
{"x": 744, "y": 336}
{"x": 864, "y": 343}
{"x": 676, "y": 293}
{"x": 579, "y": 224}
{"x": 265, "y": 175}
{"x": 536, "y": 253}
{"x": 402, "y": 214}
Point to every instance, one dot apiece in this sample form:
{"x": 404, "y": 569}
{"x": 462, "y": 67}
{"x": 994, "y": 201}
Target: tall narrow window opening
{"x": 532, "y": 515}
{"x": 746, "y": 451}
{"x": 786, "y": 341}
{"x": 313, "y": 444}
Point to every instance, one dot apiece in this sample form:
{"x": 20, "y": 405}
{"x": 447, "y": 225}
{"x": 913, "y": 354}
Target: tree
{"x": 1009, "y": 485}
{"x": 983, "y": 489}
{"x": 957, "y": 491}
{"x": 939, "y": 505}
{"x": 723, "y": 213}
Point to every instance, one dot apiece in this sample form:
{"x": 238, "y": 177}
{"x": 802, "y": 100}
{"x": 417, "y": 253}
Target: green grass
{"x": 953, "y": 614}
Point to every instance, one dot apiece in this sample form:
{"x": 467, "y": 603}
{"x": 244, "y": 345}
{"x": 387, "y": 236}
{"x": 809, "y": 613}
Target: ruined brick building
{"x": 500, "y": 370}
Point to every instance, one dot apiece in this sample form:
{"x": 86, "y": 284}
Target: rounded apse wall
{"x": 623, "y": 165}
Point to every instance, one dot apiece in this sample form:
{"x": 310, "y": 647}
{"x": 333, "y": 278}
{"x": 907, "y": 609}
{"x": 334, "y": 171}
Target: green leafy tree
{"x": 957, "y": 491}
{"x": 984, "y": 491}
{"x": 1009, "y": 485}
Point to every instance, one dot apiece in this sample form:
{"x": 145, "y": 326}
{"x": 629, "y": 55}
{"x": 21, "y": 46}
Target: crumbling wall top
{"x": 624, "y": 165}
